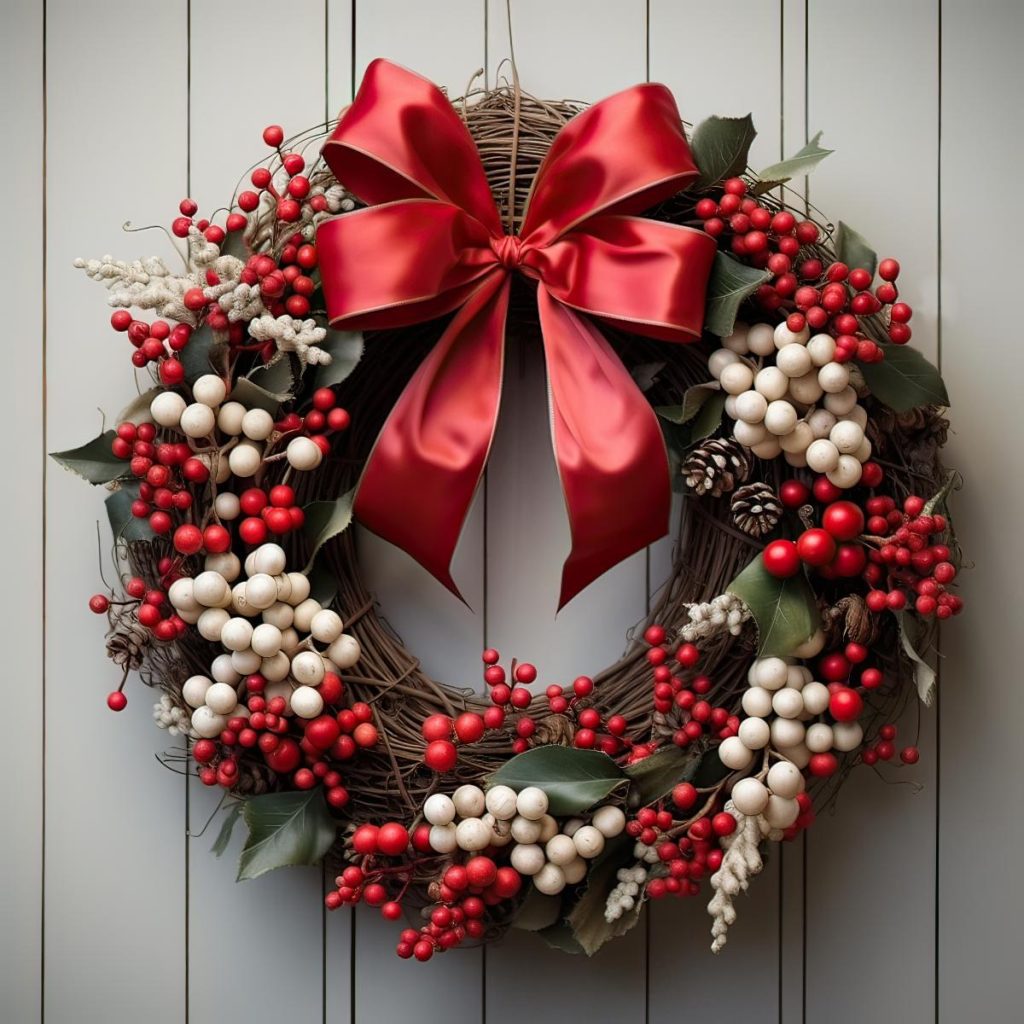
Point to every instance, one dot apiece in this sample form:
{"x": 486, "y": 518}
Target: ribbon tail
{"x": 609, "y": 448}
{"x": 420, "y": 478}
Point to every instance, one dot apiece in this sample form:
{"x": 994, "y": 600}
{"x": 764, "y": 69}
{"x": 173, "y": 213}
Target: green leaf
{"x": 275, "y": 377}
{"x": 324, "y": 520}
{"x": 731, "y": 282}
{"x": 645, "y": 374}
{"x": 196, "y": 357}
{"x": 938, "y": 499}
{"x": 655, "y": 775}
{"x": 693, "y": 401}
{"x": 94, "y": 461}
{"x": 709, "y": 419}
{"x": 137, "y": 410}
{"x": 559, "y": 936}
{"x": 784, "y": 610}
{"x": 904, "y": 379}
{"x": 252, "y": 396}
{"x": 285, "y": 829}
{"x": 220, "y": 844}
{"x": 323, "y": 587}
{"x": 796, "y": 166}
{"x": 853, "y": 250}
{"x": 123, "y": 525}
{"x": 537, "y": 911}
{"x": 586, "y": 918}
{"x": 720, "y": 146}
{"x": 910, "y": 640}
{"x": 573, "y": 779}
{"x": 346, "y": 349}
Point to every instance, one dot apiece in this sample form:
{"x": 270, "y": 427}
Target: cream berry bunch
{"x": 790, "y": 396}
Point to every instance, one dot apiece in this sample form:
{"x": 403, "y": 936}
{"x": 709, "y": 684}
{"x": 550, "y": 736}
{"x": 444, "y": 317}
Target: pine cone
{"x": 716, "y": 466}
{"x": 756, "y": 509}
{"x": 127, "y": 641}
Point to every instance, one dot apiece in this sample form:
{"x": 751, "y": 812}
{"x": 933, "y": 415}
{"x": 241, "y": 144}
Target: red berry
{"x": 825, "y": 490}
{"x": 364, "y": 839}
{"x": 365, "y": 735}
{"x": 793, "y": 493}
{"x": 823, "y": 765}
{"x": 392, "y": 839}
{"x": 480, "y": 871}
{"x": 188, "y": 539}
{"x": 780, "y": 559}
{"x": 816, "y": 547}
{"x": 888, "y": 270}
{"x": 654, "y": 635}
{"x": 910, "y": 755}
{"x": 723, "y": 824}
{"x": 99, "y": 603}
{"x": 469, "y": 727}
{"x": 525, "y": 673}
{"x": 440, "y": 756}
{"x": 844, "y": 520}
{"x": 216, "y": 539}
{"x": 684, "y": 795}
{"x": 273, "y": 135}
{"x": 845, "y": 704}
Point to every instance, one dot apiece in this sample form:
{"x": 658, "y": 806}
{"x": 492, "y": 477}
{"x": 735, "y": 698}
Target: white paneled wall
{"x": 904, "y": 906}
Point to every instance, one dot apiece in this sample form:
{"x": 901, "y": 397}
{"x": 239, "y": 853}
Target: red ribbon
{"x": 430, "y": 242}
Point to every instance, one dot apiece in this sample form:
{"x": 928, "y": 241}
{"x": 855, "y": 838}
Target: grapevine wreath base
{"x": 774, "y": 660}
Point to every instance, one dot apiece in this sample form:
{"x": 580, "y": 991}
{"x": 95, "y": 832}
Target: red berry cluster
{"x": 213, "y": 233}
{"x": 273, "y": 512}
{"x": 307, "y": 750}
{"x": 830, "y": 298}
{"x": 911, "y": 562}
{"x": 157, "y": 342}
{"x": 884, "y": 748}
{"x": 683, "y": 697}
{"x": 829, "y": 548}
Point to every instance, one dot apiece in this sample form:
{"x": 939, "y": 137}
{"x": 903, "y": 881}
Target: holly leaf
{"x": 323, "y": 587}
{"x": 324, "y": 520}
{"x": 573, "y": 779}
{"x": 720, "y": 146}
{"x": 123, "y": 525}
{"x": 220, "y": 844}
{"x": 285, "y": 829}
{"x": 537, "y": 911}
{"x": 94, "y": 461}
{"x": 905, "y": 379}
{"x": 655, "y": 775}
{"x": 910, "y": 640}
{"x": 731, "y": 282}
{"x": 586, "y": 919}
{"x": 853, "y": 250}
{"x": 645, "y": 374}
{"x": 694, "y": 400}
{"x": 252, "y": 396}
{"x": 798, "y": 165}
{"x": 346, "y": 349}
{"x": 784, "y": 609}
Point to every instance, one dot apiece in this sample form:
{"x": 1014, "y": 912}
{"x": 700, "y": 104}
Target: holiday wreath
{"x": 701, "y": 335}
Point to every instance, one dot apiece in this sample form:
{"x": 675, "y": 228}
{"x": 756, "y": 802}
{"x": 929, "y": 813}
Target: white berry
{"x": 269, "y": 559}
{"x": 221, "y": 698}
{"x": 772, "y": 383}
{"x": 207, "y": 723}
{"x": 525, "y": 830}
{"x": 781, "y": 812}
{"x": 345, "y": 651}
{"x": 245, "y": 459}
{"x": 326, "y": 626}
{"x": 257, "y": 424}
{"x": 560, "y": 850}
{"x": 266, "y": 640}
{"x": 736, "y": 378}
{"x": 472, "y": 835}
{"x": 833, "y": 377}
{"x": 816, "y": 698}
{"x": 750, "y": 796}
{"x": 720, "y": 359}
{"x": 822, "y": 455}
{"x": 236, "y": 634}
{"x": 786, "y": 732}
{"x": 589, "y": 841}
{"x": 532, "y": 803}
{"x": 229, "y": 418}
{"x": 439, "y": 809}
{"x": 304, "y": 614}
{"x": 308, "y": 668}
{"x": 754, "y": 733}
{"x": 788, "y": 703}
{"x": 442, "y": 838}
{"x": 260, "y": 591}
{"x": 193, "y": 690}
{"x": 818, "y": 738}
{"x": 501, "y": 802}
{"x": 166, "y": 409}
{"x": 734, "y": 754}
{"x": 210, "y": 390}
{"x": 785, "y": 779}
{"x": 847, "y": 472}
{"x": 303, "y": 453}
{"x": 771, "y": 673}
{"x": 761, "y": 339}
{"x": 847, "y": 736}
{"x": 223, "y": 670}
{"x": 609, "y": 821}
{"x": 821, "y": 348}
{"x": 784, "y": 336}
{"x": 780, "y": 417}
{"x": 550, "y": 880}
{"x": 528, "y": 858}
{"x": 749, "y": 434}
{"x": 757, "y": 702}
{"x": 794, "y": 361}
{"x": 197, "y": 420}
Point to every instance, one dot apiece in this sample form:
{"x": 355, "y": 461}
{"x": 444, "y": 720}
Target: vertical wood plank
{"x": 445, "y": 42}
{"x": 883, "y": 833}
{"x": 21, "y": 76}
{"x": 339, "y": 925}
{"x": 528, "y": 536}
{"x": 680, "y": 930}
{"x": 284, "y": 907}
{"x": 980, "y": 898}
{"x": 114, "y": 861}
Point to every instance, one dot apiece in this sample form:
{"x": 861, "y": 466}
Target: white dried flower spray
{"x": 301, "y": 337}
{"x": 741, "y": 862}
{"x": 624, "y": 896}
{"x": 725, "y": 613}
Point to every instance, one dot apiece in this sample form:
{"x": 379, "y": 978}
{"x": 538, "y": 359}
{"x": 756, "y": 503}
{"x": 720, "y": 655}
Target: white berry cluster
{"x": 281, "y": 646}
{"x": 782, "y": 702}
{"x": 623, "y": 897}
{"x": 725, "y": 613}
{"x": 169, "y": 716}
{"x": 554, "y": 856}
{"x": 801, "y": 404}
{"x": 247, "y": 430}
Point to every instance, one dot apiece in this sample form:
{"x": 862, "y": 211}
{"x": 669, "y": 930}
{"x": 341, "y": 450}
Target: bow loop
{"x": 431, "y": 243}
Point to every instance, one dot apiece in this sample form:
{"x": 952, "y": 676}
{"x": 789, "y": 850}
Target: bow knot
{"x": 430, "y": 242}
{"x": 508, "y": 249}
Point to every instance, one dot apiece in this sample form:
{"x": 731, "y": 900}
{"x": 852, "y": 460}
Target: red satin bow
{"x": 431, "y": 242}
